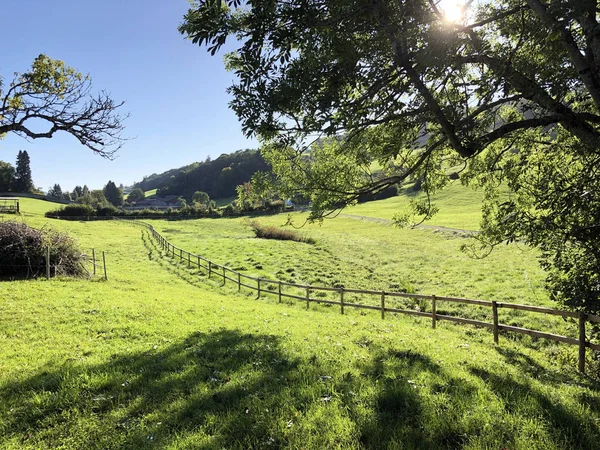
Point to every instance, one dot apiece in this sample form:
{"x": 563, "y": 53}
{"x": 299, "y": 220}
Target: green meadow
{"x": 459, "y": 207}
{"x": 161, "y": 356}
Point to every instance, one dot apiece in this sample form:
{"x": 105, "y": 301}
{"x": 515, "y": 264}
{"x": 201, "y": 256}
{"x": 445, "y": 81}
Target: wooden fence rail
{"x": 262, "y": 287}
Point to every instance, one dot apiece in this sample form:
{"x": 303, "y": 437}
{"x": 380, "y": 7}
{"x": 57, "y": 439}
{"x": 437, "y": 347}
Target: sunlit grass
{"x": 161, "y": 357}
{"x": 151, "y": 193}
{"x": 459, "y": 207}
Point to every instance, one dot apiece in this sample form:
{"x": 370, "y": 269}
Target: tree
{"x": 77, "y": 192}
{"x": 23, "y": 181}
{"x": 201, "y": 198}
{"x": 113, "y": 194}
{"x": 7, "y": 176}
{"x": 55, "y": 191}
{"x": 59, "y": 96}
{"x": 136, "y": 195}
{"x": 509, "y": 90}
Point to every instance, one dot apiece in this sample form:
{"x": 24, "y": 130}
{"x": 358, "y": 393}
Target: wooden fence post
{"x": 258, "y": 280}
{"x": 342, "y": 300}
{"x": 104, "y": 263}
{"x": 279, "y": 291}
{"x": 383, "y": 305}
{"x": 307, "y": 297}
{"x": 582, "y": 343}
{"x": 209, "y": 269}
{"x": 198, "y": 262}
{"x": 180, "y": 253}
{"x": 189, "y": 261}
{"x": 433, "y": 311}
{"x": 224, "y": 276}
{"x": 495, "y": 316}
{"x": 239, "y": 282}
{"x": 94, "y": 260}
{"x": 48, "y": 263}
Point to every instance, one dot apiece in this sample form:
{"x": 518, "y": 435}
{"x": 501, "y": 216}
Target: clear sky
{"x": 174, "y": 90}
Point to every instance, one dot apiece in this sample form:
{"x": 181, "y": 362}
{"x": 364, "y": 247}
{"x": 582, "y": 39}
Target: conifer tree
{"x": 23, "y": 181}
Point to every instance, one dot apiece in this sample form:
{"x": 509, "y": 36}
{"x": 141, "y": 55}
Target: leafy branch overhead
{"x": 324, "y": 68}
{"x": 506, "y": 93}
{"x": 60, "y": 97}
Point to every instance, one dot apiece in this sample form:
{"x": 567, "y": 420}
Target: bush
{"x": 23, "y": 252}
{"x": 271, "y": 232}
{"x": 74, "y": 210}
{"x": 107, "y": 211}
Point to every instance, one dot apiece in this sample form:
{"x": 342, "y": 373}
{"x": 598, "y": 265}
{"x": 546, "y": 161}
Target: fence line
{"x": 219, "y": 270}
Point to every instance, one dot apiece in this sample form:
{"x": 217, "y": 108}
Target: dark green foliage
{"x": 272, "y": 232}
{"x": 556, "y": 209}
{"x": 77, "y": 192}
{"x": 218, "y": 178}
{"x": 74, "y": 210}
{"x": 23, "y": 181}
{"x": 201, "y": 198}
{"x": 113, "y": 194}
{"x": 7, "y": 176}
{"x": 23, "y": 252}
{"x": 106, "y": 211}
{"x": 136, "y": 195}
{"x": 55, "y": 192}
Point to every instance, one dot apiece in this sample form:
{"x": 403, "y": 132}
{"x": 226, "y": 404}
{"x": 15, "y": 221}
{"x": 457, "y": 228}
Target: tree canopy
{"x": 55, "y": 191}
{"x": 60, "y": 96}
{"x": 7, "y": 176}
{"x": 113, "y": 194}
{"x": 136, "y": 195}
{"x": 508, "y": 91}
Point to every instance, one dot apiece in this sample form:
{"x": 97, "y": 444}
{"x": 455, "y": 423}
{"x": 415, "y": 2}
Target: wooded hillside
{"x": 218, "y": 178}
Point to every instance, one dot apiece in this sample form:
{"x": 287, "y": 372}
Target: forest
{"x": 218, "y": 178}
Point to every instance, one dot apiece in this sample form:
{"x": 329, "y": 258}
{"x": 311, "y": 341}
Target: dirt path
{"x": 428, "y": 227}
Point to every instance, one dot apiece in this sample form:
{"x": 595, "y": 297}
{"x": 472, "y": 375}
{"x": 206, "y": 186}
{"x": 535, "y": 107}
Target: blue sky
{"x": 174, "y": 90}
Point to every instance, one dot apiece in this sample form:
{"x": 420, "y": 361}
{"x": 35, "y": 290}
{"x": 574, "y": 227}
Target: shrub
{"x": 271, "y": 232}
{"x": 107, "y": 211}
{"x": 23, "y": 252}
{"x": 73, "y": 210}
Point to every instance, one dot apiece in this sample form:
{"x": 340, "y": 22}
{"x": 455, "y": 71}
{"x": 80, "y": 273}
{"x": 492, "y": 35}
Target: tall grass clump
{"x": 23, "y": 252}
{"x": 273, "y": 232}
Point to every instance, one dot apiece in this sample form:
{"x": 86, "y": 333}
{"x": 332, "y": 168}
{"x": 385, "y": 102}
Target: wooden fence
{"x": 260, "y": 285}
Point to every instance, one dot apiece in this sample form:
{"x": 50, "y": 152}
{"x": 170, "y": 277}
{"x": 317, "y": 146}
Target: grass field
{"x": 160, "y": 357}
{"x": 151, "y": 193}
{"x": 459, "y": 207}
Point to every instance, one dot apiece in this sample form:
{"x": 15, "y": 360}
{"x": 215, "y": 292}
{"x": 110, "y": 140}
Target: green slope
{"x": 459, "y": 207}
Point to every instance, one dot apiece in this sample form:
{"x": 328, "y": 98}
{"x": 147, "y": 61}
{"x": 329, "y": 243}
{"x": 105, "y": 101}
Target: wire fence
{"x": 311, "y": 294}
{"x": 87, "y": 265}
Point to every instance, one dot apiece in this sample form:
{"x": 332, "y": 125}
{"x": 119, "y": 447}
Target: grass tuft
{"x": 272, "y": 232}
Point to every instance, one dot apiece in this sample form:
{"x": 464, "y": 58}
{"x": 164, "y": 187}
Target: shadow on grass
{"x": 523, "y": 397}
{"x": 229, "y": 389}
{"x": 226, "y": 389}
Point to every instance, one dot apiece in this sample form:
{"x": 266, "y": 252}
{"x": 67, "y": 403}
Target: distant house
{"x": 169, "y": 201}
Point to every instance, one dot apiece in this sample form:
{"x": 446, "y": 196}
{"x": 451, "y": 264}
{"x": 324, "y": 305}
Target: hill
{"x": 218, "y": 178}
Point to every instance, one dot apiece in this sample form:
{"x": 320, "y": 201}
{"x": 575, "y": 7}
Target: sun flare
{"x": 453, "y": 10}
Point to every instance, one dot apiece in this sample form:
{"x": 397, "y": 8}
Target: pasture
{"x": 159, "y": 356}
